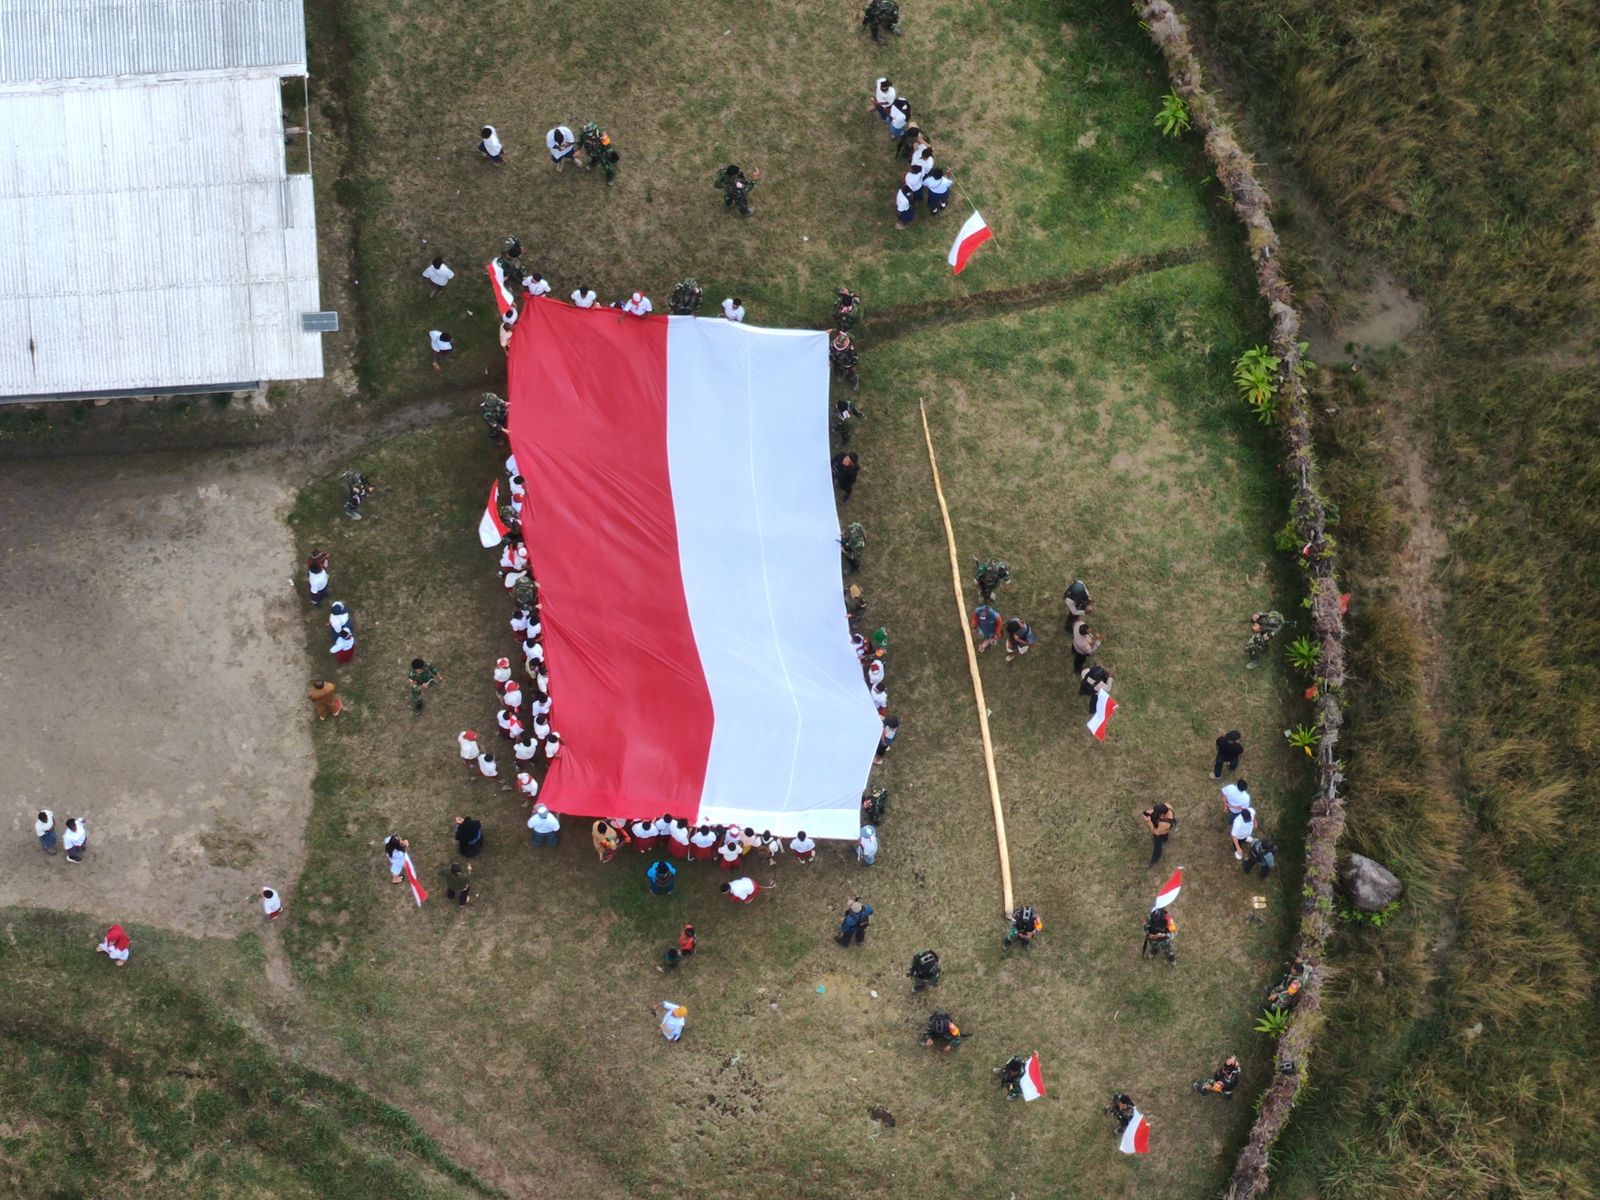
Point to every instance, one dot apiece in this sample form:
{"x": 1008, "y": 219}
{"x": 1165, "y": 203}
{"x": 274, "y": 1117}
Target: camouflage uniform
{"x": 880, "y": 15}
{"x": 420, "y": 679}
{"x": 852, "y": 544}
{"x": 846, "y": 308}
{"x": 844, "y": 359}
{"x": 596, "y": 143}
{"x": 736, "y": 187}
{"x": 526, "y": 593}
{"x": 495, "y": 414}
{"x": 1262, "y": 627}
{"x": 843, "y": 412}
{"x": 686, "y": 297}
{"x": 989, "y": 576}
{"x": 360, "y": 489}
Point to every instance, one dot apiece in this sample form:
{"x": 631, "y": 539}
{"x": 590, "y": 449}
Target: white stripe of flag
{"x": 491, "y": 529}
{"x": 1032, "y": 1081}
{"x": 1104, "y": 706}
{"x": 973, "y": 234}
{"x": 1136, "y": 1137}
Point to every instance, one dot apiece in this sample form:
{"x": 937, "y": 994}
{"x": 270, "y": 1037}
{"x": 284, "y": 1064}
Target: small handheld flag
{"x": 1136, "y": 1137}
{"x": 1169, "y": 890}
{"x": 491, "y": 529}
{"x": 973, "y": 234}
{"x": 1032, "y": 1081}
{"x": 416, "y": 884}
{"x": 1104, "y": 706}
{"x": 502, "y": 294}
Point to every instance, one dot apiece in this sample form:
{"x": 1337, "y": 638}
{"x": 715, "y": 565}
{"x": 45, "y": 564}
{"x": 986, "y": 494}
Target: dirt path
{"x": 153, "y": 684}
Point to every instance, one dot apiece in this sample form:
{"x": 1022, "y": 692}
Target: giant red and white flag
{"x": 973, "y": 234}
{"x": 1032, "y": 1081}
{"x": 688, "y": 564}
{"x": 1169, "y": 890}
{"x": 1136, "y": 1137}
{"x": 1104, "y": 706}
{"x": 491, "y": 529}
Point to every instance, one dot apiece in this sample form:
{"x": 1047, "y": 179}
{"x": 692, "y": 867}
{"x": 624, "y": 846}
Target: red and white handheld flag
{"x": 1136, "y": 1137}
{"x": 973, "y": 234}
{"x": 491, "y": 529}
{"x": 502, "y": 293}
{"x": 1169, "y": 890}
{"x": 1104, "y": 706}
{"x": 416, "y": 884}
{"x": 1032, "y": 1081}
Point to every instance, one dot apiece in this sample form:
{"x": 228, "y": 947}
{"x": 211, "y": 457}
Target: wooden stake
{"x": 972, "y": 667}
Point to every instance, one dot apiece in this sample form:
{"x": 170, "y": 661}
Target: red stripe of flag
{"x": 416, "y": 884}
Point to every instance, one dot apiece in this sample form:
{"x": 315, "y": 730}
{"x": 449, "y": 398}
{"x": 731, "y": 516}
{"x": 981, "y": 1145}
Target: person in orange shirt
{"x": 321, "y": 695}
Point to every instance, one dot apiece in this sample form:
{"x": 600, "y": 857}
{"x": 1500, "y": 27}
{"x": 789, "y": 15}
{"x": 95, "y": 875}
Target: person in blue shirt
{"x": 663, "y": 877}
{"x": 854, "y": 925}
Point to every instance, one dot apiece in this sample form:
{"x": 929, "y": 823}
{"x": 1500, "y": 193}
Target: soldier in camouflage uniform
{"x": 842, "y": 355}
{"x": 422, "y": 676}
{"x": 844, "y": 411}
{"x": 526, "y": 593}
{"x": 360, "y": 488}
{"x": 846, "y": 309}
{"x": 880, "y": 15}
{"x": 495, "y": 414}
{"x": 1262, "y": 626}
{"x": 736, "y": 187}
{"x": 989, "y": 576}
{"x": 852, "y": 544}
{"x": 686, "y": 297}
{"x": 596, "y": 143}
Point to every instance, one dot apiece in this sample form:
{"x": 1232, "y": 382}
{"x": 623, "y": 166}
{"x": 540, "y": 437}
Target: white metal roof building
{"x": 150, "y": 237}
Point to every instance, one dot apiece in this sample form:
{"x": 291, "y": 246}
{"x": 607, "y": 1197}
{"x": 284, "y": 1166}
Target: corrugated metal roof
{"x": 86, "y": 39}
{"x": 152, "y": 238}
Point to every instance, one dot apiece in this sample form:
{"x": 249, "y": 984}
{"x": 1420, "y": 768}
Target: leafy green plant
{"x": 1173, "y": 119}
{"x": 1255, "y": 374}
{"x": 1348, "y": 912}
{"x": 1273, "y": 1022}
{"x": 1302, "y": 737}
{"x": 1304, "y": 653}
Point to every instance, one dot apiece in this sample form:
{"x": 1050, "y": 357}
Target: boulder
{"x": 1371, "y": 886}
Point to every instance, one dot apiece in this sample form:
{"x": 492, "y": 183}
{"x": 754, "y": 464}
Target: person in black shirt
{"x": 469, "y": 836}
{"x": 1223, "y": 1081}
{"x": 846, "y": 466}
{"x": 1229, "y": 747}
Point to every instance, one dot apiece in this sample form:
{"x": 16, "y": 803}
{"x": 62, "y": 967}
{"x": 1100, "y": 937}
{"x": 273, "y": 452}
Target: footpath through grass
{"x": 1091, "y": 438}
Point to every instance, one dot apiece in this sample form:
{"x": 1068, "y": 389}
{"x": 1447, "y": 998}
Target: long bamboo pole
{"x": 972, "y": 667}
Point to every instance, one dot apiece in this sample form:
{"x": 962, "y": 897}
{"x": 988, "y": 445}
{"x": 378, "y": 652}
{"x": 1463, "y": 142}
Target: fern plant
{"x": 1302, "y": 737}
{"x": 1256, "y": 375}
{"x": 1173, "y": 119}
{"x": 1304, "y": 653}
{"x": 1273, "y": 1022}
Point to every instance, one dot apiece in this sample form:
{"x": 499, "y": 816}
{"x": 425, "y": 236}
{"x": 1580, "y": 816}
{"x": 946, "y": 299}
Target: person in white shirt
{"x": 442, "y": 344}
{"x": 803, "y": 848}
{"x": 703, "y": 844}
{"x": 552, "y": 747}
{"x": 510, "y": 724}
{"x": 502, "y": 670}
{"x": 535, "y": 284}
{"x": 1235, "y": 798}
{"x": 880, "y": 697}
{"x": 644, "y": 835}
{"x": 437, "y": 275}
{"x": 744, "y": 889}
{"x": 899, "y": 117}
{"x": 672, "y": 1023}
{"x": 677, "y": 838}
{"x": 506, "y": 330}
{"x": 561, "y": 144}
{"x": 487, "y": 767}
{"x": 511, "y": 694}
{"x": 520, "y": 620}
{"x": 541, "y": 681}
{"x": 526, "y": 749}
{"x": 912, "y": 182}
{"x": 1243, "y": 828}
{"x": 875, "y": 671}
{"x": 867, "y": 846}
{"x": 584, "y": 296}
{"x": 729, "y": 853}
{"x": 489, "y": 146}
{"x": 883, "y": 95}
{"x": 540, "y": 706}
{"x": 541, "y": 727}
{"x": 638, "y": 304}
{"x": 74, "y": 836}
{"x": 468, "y": 741}
{"x": 937, "y": 187}
{"x": 733, "y": 309}
{"x": 546, "y": 826}
{"x": 533, "y": 656}
{"x": 271, "y": 904}
{"x": 338, "y": 616}
{"x": 317, "y": 576}
{"x": 905, "y": 208}
{"x": 773, "y": 845}
{"x": 44, "y": 828}
{"x": 527, "y": 785}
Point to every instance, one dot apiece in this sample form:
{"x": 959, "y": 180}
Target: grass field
{"x": 1084, "y": 431}
{"x": 1452, "y": 146}
{"x": 536, "y": 1002}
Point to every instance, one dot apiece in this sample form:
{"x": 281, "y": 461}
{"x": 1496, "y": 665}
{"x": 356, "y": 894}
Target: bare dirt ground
{"x": 152, "y": 683}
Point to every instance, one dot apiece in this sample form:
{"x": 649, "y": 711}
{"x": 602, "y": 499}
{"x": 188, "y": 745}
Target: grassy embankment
{"x": 1456, "y": 145}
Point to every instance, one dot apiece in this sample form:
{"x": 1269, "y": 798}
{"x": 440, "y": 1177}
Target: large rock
{"x": 1371, "y": 886}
